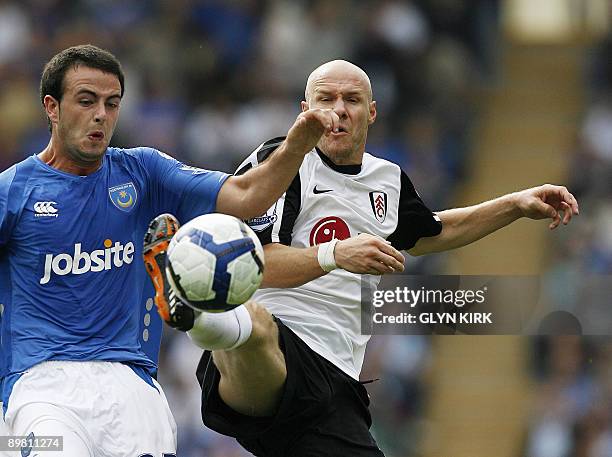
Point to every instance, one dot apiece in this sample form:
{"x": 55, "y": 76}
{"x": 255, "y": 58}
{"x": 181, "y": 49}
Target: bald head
{"x": 338, "y": 71}
{"x": 344, "y": 88}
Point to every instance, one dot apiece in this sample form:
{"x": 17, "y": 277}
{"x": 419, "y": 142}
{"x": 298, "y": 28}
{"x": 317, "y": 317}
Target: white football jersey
{"x": 327, "y": 201}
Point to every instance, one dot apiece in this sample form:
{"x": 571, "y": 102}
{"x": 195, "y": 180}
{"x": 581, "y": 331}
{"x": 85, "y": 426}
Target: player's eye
{"x": 113, "y": 105}
{"x": 85, "y": 102}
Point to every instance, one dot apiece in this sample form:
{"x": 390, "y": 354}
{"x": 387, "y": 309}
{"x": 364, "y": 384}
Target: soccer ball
{"x": 215, "y": 262}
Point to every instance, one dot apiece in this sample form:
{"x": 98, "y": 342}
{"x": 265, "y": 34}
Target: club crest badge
{"x": 124, "y": 196}
{"x": 378, "y": 200}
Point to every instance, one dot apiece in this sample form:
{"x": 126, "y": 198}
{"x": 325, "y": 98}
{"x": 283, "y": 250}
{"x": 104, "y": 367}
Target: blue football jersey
{"x": 73, "y": 284}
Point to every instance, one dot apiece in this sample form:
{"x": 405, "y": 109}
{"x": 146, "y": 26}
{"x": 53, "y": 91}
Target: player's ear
{"x": 304, "y": 106}
{"x": 51, "y": 108}
{"x": 372, "y": 113}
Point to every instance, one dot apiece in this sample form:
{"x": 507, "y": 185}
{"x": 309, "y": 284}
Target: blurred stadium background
{"x": 476, "y": 98}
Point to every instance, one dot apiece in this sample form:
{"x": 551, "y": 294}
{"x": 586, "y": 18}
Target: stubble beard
{"x": 82, "y": 157}
{"x": 341, "y": 155}
{"x": 79, "y": 155}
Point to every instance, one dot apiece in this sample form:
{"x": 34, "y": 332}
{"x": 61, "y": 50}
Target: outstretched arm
{"x": 462, "y": 226}
{"x": 251, "y": 194}
{"x": 287, "y": 266}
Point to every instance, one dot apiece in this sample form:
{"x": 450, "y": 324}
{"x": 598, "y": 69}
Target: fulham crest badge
{"x": 378, "y": 200}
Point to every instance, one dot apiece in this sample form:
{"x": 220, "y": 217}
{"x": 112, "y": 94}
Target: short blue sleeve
{"x": 6, "y": 179}
{"x": 180, "y": 189}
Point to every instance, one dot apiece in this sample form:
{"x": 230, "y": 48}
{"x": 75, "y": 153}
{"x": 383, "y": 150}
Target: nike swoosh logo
{"x": 322, "y": 191}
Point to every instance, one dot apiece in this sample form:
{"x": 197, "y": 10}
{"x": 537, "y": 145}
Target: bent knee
{"x": 258, "y": 361}
{"x": 265, "y": 330}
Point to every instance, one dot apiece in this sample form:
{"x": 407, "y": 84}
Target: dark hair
{"x": 52, "y": 80}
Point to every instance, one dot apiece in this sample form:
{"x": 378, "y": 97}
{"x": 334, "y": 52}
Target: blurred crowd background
{"x": 208, "y": 80}
{"x": 572, "y": 406}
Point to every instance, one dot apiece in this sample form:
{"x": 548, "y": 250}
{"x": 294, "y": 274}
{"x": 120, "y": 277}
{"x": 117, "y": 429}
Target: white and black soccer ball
{"x": 215, "y": 262}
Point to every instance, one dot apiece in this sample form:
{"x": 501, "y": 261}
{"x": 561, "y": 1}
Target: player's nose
{"x": 340, "y": 108}
{"x": 100, "y": 113}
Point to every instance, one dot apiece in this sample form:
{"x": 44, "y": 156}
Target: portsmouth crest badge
{"x": 378, "y": 200}
{"x": 124, "y": 196}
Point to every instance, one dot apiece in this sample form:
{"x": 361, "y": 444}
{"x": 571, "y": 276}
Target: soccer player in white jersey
{"x": 291, "y": 386}
{"x": 72, "y": 221}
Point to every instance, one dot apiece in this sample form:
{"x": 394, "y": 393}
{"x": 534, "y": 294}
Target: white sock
{"x": 227, "y": 330}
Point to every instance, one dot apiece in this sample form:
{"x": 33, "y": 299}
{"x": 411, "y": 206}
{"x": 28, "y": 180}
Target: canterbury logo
{"x": 45, "y": 209}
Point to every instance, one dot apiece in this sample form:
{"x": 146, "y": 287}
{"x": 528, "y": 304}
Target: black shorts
{"x": 323, "y": 412}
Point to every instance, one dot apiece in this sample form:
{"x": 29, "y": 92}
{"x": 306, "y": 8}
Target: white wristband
{"x": 325, "y": 255}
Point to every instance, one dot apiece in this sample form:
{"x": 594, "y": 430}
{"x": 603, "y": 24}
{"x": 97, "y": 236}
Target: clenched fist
{"x": 368, "y": 254}
{"x": 309, "y": 126}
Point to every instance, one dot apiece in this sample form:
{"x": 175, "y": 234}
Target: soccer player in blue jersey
{"x": 72, "y": 221}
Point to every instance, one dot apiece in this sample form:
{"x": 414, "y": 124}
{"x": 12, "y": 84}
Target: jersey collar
{"x": 92, "y": 176}
{"x": 345, "y": 169}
